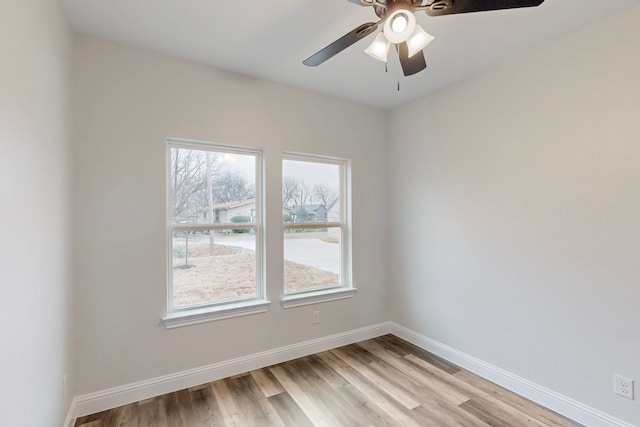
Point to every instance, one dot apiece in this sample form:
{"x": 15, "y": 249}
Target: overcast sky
{"x": 310, "y": 172}
{"x": 313, "y": 173}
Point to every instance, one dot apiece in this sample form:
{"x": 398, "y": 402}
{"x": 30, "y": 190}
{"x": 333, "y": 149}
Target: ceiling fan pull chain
{"x": 398, "y": 85}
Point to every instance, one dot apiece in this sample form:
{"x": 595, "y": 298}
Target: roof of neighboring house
{"x": 231, "y": 205}
{"x": 311, "y": 208}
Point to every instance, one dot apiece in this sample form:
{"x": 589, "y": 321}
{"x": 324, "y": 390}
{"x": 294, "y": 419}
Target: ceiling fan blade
{"x": 341, "y": 44}
{"x": 413, "y": 65}
{"x": 450, "y": 7}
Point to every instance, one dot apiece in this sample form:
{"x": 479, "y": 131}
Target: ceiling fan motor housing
{"x": 391, "y": 5}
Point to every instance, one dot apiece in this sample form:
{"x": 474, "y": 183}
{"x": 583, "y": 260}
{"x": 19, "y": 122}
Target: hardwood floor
{"x": 379, "y": 382}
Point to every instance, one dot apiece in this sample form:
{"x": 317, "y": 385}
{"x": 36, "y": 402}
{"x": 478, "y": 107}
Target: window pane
{"x": 210, "y": 187}
{"x": 311, "y": 259}
{"x": 310, "y": 191}
{"x": 210, "y": 267}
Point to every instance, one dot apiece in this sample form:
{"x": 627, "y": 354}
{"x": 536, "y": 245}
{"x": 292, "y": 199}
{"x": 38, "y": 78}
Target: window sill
{"x": 297, "y": 300}
{"x": 179, "y": 319}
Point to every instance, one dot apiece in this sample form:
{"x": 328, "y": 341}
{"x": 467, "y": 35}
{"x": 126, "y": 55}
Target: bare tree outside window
{"x": 289, "y": 190}
{"x": 325, "y": 195}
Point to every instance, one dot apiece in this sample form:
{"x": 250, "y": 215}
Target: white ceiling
{"x": 269, "y": 39}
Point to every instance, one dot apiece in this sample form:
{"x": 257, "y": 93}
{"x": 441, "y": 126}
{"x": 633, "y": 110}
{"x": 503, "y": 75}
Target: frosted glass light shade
{"x": 379, "y": 48}
{"x": 418, "y": 40}
{"x": 399, "y": 26}
{"x": 399, "y": 23}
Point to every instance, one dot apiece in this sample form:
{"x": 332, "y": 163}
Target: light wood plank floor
{"x": 379, "y": 382}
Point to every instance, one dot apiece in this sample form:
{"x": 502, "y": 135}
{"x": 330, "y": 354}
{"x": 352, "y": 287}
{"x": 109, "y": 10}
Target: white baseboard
{"x": 557, "y": 402}
{"x": 70, "y": 420}
{"x": 118, "y": 396}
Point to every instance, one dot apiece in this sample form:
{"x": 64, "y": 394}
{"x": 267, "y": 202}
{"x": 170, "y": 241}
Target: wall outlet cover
{"x": 623, "y": 386}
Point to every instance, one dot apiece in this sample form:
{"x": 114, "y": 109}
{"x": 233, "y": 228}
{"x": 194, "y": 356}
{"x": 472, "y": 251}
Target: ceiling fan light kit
{"x": 379, "y": 48}
{"x": 414, "y": 35}
{"x": 399, "y": 25}
{"x": 419, "y": 40}
{"x": 400, "y": 28}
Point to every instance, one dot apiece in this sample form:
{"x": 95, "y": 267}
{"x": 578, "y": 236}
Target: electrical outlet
{"x": 623, "y": 386}
{"x": 316, "y": 317}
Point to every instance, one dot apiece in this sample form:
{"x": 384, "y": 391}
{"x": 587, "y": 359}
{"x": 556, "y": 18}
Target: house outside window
{"x": 214, "y": 234}
{"x": 316, "y": 223}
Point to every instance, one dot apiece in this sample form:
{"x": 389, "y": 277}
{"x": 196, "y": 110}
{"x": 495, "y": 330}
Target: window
{"x": 214, "y": 234}
{"x": 315, "y": 199}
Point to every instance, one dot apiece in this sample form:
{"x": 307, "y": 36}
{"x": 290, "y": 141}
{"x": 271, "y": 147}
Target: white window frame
{"x": 211, "y": 311}
{"x": 346, "y": 288}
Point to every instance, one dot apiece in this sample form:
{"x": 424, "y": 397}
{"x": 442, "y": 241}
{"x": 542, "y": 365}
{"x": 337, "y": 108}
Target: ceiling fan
{"x": 400, "y": 28}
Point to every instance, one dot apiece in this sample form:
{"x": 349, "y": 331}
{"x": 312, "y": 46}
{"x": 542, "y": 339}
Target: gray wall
{"x": 35, "y": 231}
{"x": 523, "y": 186}
{"x": 126, "y": 103}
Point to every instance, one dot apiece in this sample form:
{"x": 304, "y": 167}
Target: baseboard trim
{"x": 118, "y": 396}
{"x": 557, "y": 402}
{"x": 70, "y": 420}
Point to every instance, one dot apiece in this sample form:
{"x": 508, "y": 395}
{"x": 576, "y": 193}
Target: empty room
{"x": 327, "y": 213}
